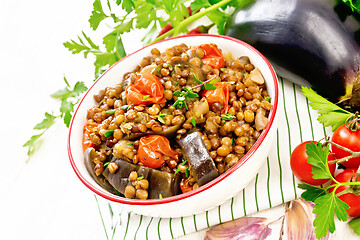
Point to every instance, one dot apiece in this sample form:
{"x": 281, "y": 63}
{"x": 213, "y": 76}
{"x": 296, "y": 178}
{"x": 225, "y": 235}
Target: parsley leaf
{"x": 330, "y": 114}
{"x": 317, "y": 156}
{"x": 325, "y": 208}
{"x": 209, "y": 86}
{"x": 161, "y": 118}
{"x": 355, "y": 224}
{"x": 311, "y": 192}
{"x": 193, "y": 121}
{"x": 97, "y": 15}
{"x": 47, "y": 122}
{"x": 69, "y": 97}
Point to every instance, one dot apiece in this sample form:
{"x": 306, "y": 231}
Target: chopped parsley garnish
{"x": 193, "y": 121}
{"x": 108, "y": 133}
{"x": 227, "y": 117}
{"x": 110, "y": 111}
{"x": 124, "y": 107}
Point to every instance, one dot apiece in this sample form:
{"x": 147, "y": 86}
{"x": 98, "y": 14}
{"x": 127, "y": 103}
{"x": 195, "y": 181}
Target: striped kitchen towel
{"x": 273, "y": 185}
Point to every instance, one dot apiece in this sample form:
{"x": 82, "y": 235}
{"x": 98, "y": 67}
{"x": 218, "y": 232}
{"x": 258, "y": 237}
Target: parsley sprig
{"x": 330, "y": 113}
{"x": 185, "y": 94}
{"x": 327, "y": 204}
{"x": 68, "y": 97}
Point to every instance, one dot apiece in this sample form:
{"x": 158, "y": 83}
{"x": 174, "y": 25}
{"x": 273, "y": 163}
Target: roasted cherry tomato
{"x": 352, "y": 198}
{"x": 146, "y": 90}
{"x": 219, "y": 95}
{"x": 349, "y": 139}
{"x": 88, "y": 129}
{"x": 302, "y": 169}
{"x": 213, "y": 56}
{"x": 152, "y": 150}
{"x": 184, "y": 186}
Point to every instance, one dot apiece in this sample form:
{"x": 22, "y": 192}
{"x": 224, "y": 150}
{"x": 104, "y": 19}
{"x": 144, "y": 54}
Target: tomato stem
{"x": 344, "y": 159}
{"x": 353, "y": 122}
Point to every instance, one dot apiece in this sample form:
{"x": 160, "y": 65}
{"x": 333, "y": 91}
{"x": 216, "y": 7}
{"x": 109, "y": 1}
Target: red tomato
{"x": 86, "y": 141}
{"x": 302, "y": 169}
{"x": 220, "y": 95}
{"x": 146, "y": 90}
{"x": 151, "y": 150}
{"x": 349, "y": 198}
{"x": 349, "y": 139}
{"x": 184, "y": 186}
{"x": 213, "y": 56}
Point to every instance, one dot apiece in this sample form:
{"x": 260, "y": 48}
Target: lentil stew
{"x": 181, "y": 118}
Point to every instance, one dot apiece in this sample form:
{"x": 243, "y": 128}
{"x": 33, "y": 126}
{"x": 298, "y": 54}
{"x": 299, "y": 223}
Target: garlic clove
{"x": 249, "y": 228}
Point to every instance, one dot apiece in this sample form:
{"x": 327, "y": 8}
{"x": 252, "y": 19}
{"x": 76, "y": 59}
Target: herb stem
{"x": 339, "y": 184}
{"x": 192, "y": 18}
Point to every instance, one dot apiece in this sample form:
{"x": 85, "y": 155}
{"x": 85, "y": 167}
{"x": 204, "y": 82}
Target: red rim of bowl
{"x": 98, "y": 190}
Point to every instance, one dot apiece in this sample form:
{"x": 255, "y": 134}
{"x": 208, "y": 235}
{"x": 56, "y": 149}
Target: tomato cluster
{"x": 345, "y": 138}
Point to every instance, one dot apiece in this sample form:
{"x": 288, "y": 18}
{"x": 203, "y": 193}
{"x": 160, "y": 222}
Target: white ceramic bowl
{"x": 215, "y": 192}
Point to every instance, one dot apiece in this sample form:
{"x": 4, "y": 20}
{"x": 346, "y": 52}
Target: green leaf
{"x": 220, "y": 19}
{"x": 128, "y": 5}
{"x": 78, "y": 88}
{"x": 355, "y": 225}
{"x": 108, "y": 133}
{"x": 75, "y": 47}
{"x": 178, "y": 93}
{"x": 198, "y": 4}
{"x": 330, "y": 114}
{"x": 161, "y": 118}
{"x": 209, "y": 86}
{"x": 32, "y": 140}
{"x": 104, "y": 60}
{"x": 354, "y": 5}
{"x": 145, "y": 15}
{"x": 111, "y": 112}
{"x": 317, "y": 156}
{"x": 125, "y": 26}
{"x": 67, "y": 118}
{"x": 325, "y": 208}
{"x": 47, "y": 122}
{"x": 124, "y": 107}
{"x": 91, "y": 43}
{"x": 97, "y": 15}
{"x": 311, "y": 192}
{"x": 61, "y": 93}
{"x": 110, "y": 41}
{"x": 193, "y": 121}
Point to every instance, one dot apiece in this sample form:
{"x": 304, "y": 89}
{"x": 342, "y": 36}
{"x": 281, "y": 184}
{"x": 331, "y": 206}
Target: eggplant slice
{"x": 203, "y": 168}
{"x": 89, "y": 164}
{"x": 160, "y": 183}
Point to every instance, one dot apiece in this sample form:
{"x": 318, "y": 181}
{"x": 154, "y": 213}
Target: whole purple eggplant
{"x": 305, "y": 38}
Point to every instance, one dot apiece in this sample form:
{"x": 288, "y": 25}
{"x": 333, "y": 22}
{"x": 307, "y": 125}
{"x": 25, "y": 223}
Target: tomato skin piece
{"x": 184, "y": 186}
{"x": 349, "y": 198}
{"x": 220, "y": 95}
{"x": 87, "y": 130}
{"x": 213, "y": 56}
{"x": 152, "y": 149}
{"x": 146, "y": 90}
{"x": 349, "y": 139}
{"x": 302, "y": 169}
